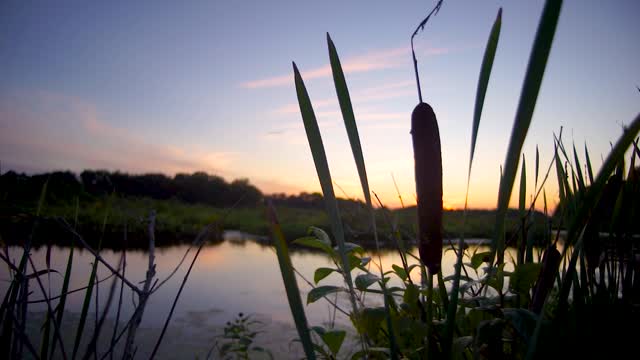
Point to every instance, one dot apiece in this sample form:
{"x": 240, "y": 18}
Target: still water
{"x": 233, "y": 276}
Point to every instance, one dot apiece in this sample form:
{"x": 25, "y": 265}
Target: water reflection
{"x": 237, "y": 275}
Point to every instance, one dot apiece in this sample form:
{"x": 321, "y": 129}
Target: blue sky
{"x": 186, "y": 86}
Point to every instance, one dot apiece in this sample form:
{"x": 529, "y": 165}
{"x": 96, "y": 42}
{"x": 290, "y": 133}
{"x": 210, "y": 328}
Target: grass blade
{"x": 591, "y": 198}
{"x": 578, "y": 168}
{"x": 537, "y": 167}
{"x": 65, "y": 282}
{"x": 483, "y": 80}
{"x": 89, "y": 293}
{"x": 523, "y": 221}
{"x": 344, "y": 99}
{"x": 588, "y": 164}
{"x": 523, "y": 188}
{"x": 528, "y": 96}
{"x": 322, "y": 168}
{"x": 290, "y": 284}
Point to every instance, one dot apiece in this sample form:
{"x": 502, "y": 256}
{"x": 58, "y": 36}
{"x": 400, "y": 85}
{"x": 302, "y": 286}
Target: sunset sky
{"x": 188, "y": 86}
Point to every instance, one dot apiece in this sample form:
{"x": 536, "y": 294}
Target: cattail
{"x": 428, "y": 168}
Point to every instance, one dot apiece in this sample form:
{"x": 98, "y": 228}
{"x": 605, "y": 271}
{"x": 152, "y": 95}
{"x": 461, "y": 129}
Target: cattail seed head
{"x": 428, "y": 171}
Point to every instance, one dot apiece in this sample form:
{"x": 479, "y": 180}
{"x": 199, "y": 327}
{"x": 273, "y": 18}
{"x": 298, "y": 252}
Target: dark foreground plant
{"x": 538, "y": 302}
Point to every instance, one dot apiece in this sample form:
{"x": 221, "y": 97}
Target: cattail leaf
{"x": 346, "y": 108}
{"x": 523, "y": 188}
{"x": 483, "y": 80}
{"x": 537, "y": 167}
{"x": 322, "y": 168}
{"x": 581, "y": 184}
{"x": 290, "y": 284}
{"x": 348, "y": 116}
{"x": 588, "y": 164}
{"x": 528, "y": 96}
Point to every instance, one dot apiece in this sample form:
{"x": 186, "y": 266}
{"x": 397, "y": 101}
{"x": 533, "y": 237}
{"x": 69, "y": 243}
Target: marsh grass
{"x": 16, "y": 338}
{"x": 549, "y": 302}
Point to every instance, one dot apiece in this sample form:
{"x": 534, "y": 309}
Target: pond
{"x": 233, "y": 276}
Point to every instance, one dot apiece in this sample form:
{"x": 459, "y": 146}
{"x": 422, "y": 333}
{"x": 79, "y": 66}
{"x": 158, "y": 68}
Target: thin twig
{"x": 200, "y": 241}
{"x": 92, "y": 347}
{"x": 56, "y": 326}
{"x": 144, "y": 294}
{"x": 66, "y": 225}
{"x": 124, "y": 266}
{"x": 413, "y": 53}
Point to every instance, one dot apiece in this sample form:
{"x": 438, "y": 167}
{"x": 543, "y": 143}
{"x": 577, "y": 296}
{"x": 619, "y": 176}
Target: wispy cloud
{"x": 49, "y": 131}
{"x": 370, "y": 61}
{"x": 371, "y": 94}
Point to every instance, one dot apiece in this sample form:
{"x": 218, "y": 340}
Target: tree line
{"x": 63, "y": 186}
{"x": 198, "y": 187}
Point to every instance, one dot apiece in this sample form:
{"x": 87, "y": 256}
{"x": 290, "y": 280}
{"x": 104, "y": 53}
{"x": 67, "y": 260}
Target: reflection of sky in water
{"x": 227, "y": 278}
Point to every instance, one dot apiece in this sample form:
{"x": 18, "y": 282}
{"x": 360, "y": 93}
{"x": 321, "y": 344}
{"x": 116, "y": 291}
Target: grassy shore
{"x": 180, "y": 222}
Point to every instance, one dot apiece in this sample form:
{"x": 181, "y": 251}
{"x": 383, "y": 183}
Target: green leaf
{"x": 322, "y": 273}
{"x": 478, "y": 258}
{"x": 354, "y": 261}
{"x": 363, "y": 281}
{"x": 316, "y": 243}
{"x": 322, "y": 291}
{"x": 368, "y": 321}
{"x": 365, "y": 261}
{"x": 353, "y": 248}
{"x": 460, "y": 277}
{"x": 497, "y": 280}
{"x": 528, "y": 96}
{"x": 319, "y": 234}
{"x": 524, "y": 277}
{"x": 333, "y": 339}
{"x": 400, "y": 272}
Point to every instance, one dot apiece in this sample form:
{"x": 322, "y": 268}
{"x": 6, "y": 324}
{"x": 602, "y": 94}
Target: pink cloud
{"x": 372, "y": 94}
{"x": 370, "y": 61}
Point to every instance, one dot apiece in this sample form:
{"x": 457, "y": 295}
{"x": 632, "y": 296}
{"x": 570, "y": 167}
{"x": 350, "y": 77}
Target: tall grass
{"x": 494, "y": 307}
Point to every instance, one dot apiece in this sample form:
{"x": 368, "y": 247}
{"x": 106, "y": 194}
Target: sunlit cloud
{"x": 370, "y": 61}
